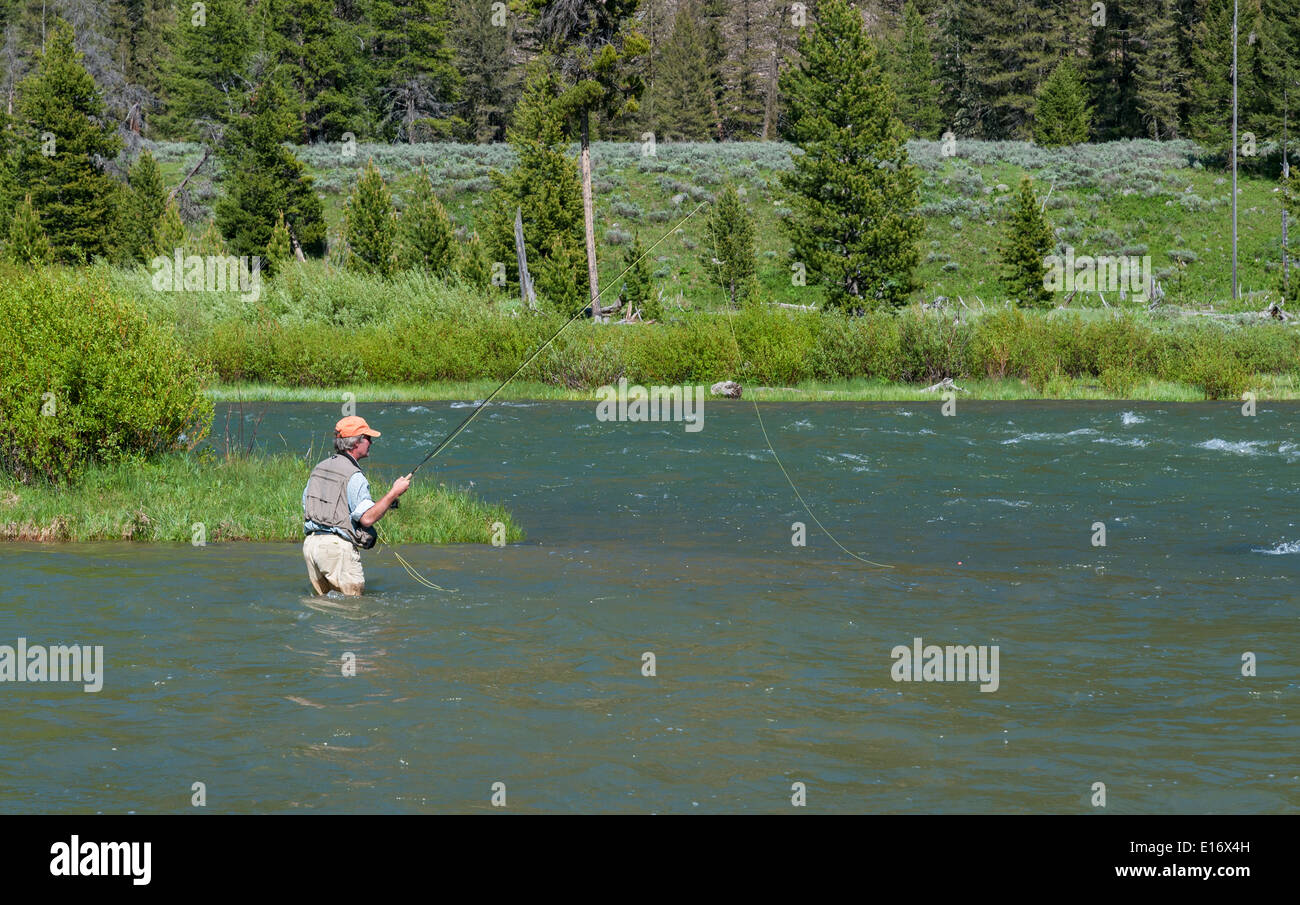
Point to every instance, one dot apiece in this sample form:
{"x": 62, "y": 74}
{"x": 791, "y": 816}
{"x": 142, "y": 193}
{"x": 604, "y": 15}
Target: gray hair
{"x": 346, "y": 444}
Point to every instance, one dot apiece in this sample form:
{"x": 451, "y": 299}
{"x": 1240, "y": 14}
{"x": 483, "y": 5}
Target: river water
{"x": 1118, "y": 664}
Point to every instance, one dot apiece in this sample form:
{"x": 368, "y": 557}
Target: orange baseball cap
{"x": 354, "y": 426}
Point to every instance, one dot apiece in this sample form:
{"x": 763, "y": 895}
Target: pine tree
{"x": 61, "y": 139}
{"x": 1159, "y": 74}
{"x": 959, "y": 99}
{"x": 428, "y": 241}
{"x": 170, "y": 234}
{"x": 145, "y": 204}
{"x": 1001, "y": 50}
{"x": 265, "y": 178}
{"x": 414, "y": 67}
{"x": 559, "y": 280}
{"x": 743, "y": 97}
{"x": 28, "y": 243}
{"x": 8, "y": 164}
{"x": 1210, "y": 116}
{"x": 637, "y": 288}
{"x": 369, "y": 225}
{"x": 473, "y": 264}
{"x": 543, "y": 185}
{"x": 713, "y": 15}
{"x": 729, "y": 247}
{"x": 1274, "y": 58}
{"x": 1063, "y": 116}
{"x": 915, "y": 77}
{"x": 211, "y": 242}
{"x": 683, "y": 94}
{"x": 314, "y": 51}
{"x": 855, "y": 225}
{"x": 279, "y": 251}
{"x": 1028, "y": 241}
{"x": 206, "y": 77}
{"x": 141, "y": 31}
{"x": 489, "y": 84}
{"x": 151, "y": 26}
{"x": 1113, "y": 52}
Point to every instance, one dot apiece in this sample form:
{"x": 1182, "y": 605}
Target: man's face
{"x": 362, "y": 449}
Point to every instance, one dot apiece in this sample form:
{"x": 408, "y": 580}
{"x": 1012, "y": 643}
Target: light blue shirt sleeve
{"x": 358, "y": 496}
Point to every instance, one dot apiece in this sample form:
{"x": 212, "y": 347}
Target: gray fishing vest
{"x": 327, "y": 497}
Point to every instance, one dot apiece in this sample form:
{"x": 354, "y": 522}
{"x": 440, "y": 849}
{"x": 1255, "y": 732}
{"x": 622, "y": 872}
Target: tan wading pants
{"x": 333, "y": 564}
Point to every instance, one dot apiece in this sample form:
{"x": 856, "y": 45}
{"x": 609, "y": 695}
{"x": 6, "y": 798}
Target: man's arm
{"x": 377, "y": 511}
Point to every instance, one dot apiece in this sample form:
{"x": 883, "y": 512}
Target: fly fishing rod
{"x": 593, "y": 305}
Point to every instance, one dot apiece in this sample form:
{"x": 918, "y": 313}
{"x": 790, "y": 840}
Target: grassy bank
{"x": 1266, "y": 386}
{"x": 1049, "y": 350}
{"x": 254, "y": 498}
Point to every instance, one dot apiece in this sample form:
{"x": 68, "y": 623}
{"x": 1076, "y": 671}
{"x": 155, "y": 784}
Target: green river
{"x": 773, "y": 663}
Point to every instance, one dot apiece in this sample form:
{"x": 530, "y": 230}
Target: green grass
{"x": 518, "y": 390}
{"x": 1104, "y": 197}
{"x": 1266, "y": 386}
{"x": 256, "y": 498}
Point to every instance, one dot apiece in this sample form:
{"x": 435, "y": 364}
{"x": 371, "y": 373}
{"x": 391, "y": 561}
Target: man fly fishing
{"x": 338, "y": 513}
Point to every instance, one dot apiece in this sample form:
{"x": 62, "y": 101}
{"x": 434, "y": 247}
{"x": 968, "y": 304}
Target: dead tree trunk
{"x": 769, "y": 108}
{"x": 526, "y": 292}
{"x": 589, "y": 216}
{"x": 207, "y": 152}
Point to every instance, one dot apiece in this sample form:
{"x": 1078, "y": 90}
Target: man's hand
{"x": 389, "y": 501}
{"x": 401, "y": 485}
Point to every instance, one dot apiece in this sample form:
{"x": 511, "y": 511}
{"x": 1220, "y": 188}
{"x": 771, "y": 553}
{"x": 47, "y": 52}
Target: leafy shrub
{"x": 1119, "y": 380}
{"x": 700, "y": 349}
{"x": 1219, "y": 375}
{"x": 932, "y": 346}
{"x": 848, "y": 347}
{"x": 626, "y": 210}
{"x": 588, "y": 356}
{"x": 88, "y": 379}
{"x": 777, "y": 345}
{"x": 996, "y": 347}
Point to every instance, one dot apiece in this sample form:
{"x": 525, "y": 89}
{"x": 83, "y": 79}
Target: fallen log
{"x": 207, "y": 152}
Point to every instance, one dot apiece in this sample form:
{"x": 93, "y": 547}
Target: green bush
{"x": 848, "y": 347}
{"x": 1219, "y": 375}
{"x": 777, "y": 345}
{"x": 1119, "y": 380}
{"x": 1213, "y": 366}
{"x": 88, "y": 379}
{"x": 998, "y": 343}
{"x": 699, "y": 349}
{"x": 590, "y": 355}
{"x": 932, "y": 346}
{"x": 1120, "y": 345}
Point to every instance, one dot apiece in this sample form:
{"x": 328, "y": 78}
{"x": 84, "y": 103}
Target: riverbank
{"x": 187, "y": 498}
{"x": 1265, "y": 386}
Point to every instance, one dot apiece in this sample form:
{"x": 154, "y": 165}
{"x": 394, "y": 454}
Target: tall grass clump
{"x": 256, "y": 498}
